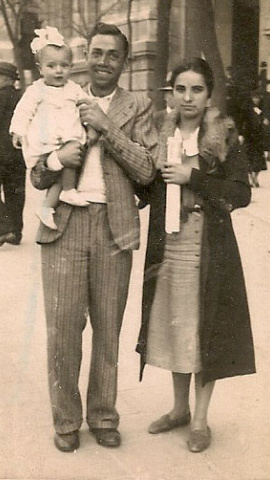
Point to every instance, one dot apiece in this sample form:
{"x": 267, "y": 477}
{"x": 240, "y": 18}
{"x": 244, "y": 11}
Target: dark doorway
{"x": 245, "y": 41}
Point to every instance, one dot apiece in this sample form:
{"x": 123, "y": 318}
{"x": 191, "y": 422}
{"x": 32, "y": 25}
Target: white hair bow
{"x": 46, "y": 36}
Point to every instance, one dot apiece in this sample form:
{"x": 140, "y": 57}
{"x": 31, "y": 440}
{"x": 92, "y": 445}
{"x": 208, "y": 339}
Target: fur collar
{"x": 216, "y": 136}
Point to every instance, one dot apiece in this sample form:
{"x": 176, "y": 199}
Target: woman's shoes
{"x": 165, "y": 423}
{"x": 199, "y": 440}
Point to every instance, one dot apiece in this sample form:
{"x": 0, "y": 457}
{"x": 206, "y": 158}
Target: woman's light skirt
{"x": 173, "y": 336}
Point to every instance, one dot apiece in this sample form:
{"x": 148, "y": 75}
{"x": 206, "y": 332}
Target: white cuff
{"x": 53, "y": 162}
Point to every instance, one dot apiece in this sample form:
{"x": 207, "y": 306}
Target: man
{"x": 87, "y": 261}
{"x": 12, "y": 166}
{"x": 160, "y": 115}
{"x": 262, "y": 77}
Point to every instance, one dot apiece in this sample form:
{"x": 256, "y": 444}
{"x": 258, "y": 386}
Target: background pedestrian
{"x": 12, "y": 166}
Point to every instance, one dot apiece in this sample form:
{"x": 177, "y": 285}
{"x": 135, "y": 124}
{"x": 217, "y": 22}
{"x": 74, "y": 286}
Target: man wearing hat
{"x": 160, "y": 116}
{"x": 12, "y": 166}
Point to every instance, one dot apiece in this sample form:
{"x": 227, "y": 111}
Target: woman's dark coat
{"x": 225, "y": 331}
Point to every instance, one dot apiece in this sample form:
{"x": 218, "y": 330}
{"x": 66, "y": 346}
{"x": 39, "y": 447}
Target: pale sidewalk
{"x": 239, "y": 413}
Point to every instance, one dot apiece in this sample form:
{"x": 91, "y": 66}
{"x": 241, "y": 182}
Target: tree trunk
{"x": 201, "y": 39}
{"x": 162, "y": 49}
{"x": 129, "y": 24}
{"x": 17, "y": 58}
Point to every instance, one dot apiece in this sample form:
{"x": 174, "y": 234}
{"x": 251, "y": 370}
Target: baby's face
{"x": 55, "y": 65}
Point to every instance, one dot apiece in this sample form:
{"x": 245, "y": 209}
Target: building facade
{"x": 241, "y": 35}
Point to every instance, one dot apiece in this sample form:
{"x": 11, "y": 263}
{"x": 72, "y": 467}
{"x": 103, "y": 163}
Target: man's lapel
{"x": 121, "y": 107}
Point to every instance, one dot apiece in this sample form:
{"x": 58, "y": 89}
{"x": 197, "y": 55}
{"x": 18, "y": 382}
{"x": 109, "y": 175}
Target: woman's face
{"x": 191, "y": 95}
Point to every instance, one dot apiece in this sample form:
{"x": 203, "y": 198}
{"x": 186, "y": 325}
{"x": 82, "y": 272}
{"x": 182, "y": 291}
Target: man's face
{"x": 106, "y": 60}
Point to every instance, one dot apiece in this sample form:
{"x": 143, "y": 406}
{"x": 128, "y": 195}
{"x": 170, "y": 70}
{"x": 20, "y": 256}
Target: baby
{"x": 47, "y": 117}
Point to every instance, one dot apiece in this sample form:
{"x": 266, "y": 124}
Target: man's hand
{"x": 91, "y": 114}
{"x": 176, "y": 173}
{"x": 92, "y": 135}
{"x": 70, "y": 154}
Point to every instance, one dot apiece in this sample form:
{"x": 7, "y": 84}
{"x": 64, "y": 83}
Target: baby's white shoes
{"x": 45, "y": 215}
{"x": 72, "y": 197}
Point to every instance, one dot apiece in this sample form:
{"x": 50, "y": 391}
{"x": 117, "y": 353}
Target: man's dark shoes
{"x": 16, "y": 240}
{"x": 107, "y": 437}
{"x": 7, "y": 238}
{"x": 67, "y": 442}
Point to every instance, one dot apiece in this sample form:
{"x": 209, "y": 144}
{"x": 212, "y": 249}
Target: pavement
{"x": 239, "y": 412}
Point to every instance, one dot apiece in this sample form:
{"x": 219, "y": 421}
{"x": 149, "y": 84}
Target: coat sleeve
{"x": 229, "y": 188}
{"x": 41, "y": 177}
{"x": 3, "y": 99}
{"x": 135, "y": 154}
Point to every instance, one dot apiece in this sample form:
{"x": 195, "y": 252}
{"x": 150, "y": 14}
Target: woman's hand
{"x": 70, "y": 154}
{"x": 176, "y": 173}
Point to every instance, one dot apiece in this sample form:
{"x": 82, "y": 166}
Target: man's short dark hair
{"x": 109, "y": 29}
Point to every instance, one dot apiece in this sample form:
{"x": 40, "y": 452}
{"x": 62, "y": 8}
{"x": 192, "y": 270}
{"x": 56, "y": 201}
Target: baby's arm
{"x": 24, "y": 112}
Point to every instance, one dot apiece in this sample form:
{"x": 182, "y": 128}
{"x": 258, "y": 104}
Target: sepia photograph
{"x": 134, "y": 239}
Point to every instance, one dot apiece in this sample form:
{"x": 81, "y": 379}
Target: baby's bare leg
{"x": 69, "y": 178}
{"x": 52, "y": 198}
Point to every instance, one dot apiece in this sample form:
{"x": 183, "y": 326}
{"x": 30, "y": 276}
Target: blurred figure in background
{"x": 262, "y": 77}
{"x": 253, "y": 132}
{"x": 232, "y": 97}
{"x": 160, "y": 115}
{"x": 12, "y": 166}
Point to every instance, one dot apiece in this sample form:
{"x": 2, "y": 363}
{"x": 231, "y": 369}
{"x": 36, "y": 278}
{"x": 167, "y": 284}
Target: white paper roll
{"x": 173, "y": 196}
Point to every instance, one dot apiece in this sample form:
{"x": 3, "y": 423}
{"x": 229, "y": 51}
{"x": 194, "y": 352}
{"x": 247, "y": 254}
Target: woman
{"x": 195, "y": 312}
